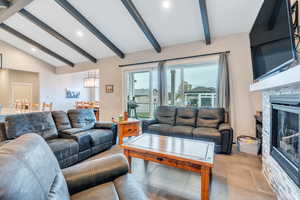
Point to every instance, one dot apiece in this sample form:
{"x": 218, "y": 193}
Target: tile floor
{"x": 235, "y": 177}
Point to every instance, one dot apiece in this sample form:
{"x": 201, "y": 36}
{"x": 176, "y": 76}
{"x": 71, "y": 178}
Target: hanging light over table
{"x": 92, "y": 81}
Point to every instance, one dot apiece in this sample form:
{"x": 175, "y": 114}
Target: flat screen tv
{"x": 272, "y": 38}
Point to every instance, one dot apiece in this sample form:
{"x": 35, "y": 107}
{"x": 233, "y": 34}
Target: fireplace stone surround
{"x": 284, "y": 83}
{"x": 280, "y": 181}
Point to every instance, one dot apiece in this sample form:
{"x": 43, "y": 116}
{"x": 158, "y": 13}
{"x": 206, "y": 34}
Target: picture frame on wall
{"x": 109, "y": 88}
{"x": 72, "y": 94}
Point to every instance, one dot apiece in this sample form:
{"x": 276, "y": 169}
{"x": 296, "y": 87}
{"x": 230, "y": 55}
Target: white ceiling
{"x": 181, "y": 23}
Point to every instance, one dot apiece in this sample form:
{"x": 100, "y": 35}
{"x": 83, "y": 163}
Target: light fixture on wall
{"x": 92, "y": 80}
{"x": 4, "y": 4}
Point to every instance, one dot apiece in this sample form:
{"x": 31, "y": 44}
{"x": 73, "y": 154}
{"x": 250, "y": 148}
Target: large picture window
{"x": 192, "y": 85}
{"x": 197, "y": 82}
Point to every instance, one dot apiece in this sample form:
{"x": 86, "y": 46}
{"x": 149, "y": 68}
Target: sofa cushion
{"x": 165, "y": 114}
{"x": 128, "y": 188}
{"x": 82, "y": 118}
{"x": 100, "y": 136}
{"x": 63, "y": 148}
{"x": 106, "y": 191}
{"x": 40, "y": 123}
{"x": 124, "y": 187}
{"x": 185, "y": 131}
{"x": 82, "y": 137}
{"x": 210, "y": 134}
{"x": 160, "y": 128}
{"x": 186, "y": 117}
{"x": 72, "y": 131}
{"x": 210, "y": 117}
{"x": 61, "y": 120}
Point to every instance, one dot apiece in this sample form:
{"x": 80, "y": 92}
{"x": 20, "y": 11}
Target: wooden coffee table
{"x": 192, "y": 155}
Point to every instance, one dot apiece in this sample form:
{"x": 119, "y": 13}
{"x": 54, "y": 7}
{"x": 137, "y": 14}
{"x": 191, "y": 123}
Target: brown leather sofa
{"x": 206, "y": 124}
{"x": 30, "y": 171}
{"x": 72, "y": 136}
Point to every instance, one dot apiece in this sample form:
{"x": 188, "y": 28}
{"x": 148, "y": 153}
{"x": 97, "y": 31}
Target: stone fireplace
{"x": 280, "y": 140}
{"x": 280, "y": 151}
{"x": 284, "y": 133}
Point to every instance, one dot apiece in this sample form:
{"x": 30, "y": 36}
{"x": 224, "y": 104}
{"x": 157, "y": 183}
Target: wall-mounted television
{"x": 272, "y": 38}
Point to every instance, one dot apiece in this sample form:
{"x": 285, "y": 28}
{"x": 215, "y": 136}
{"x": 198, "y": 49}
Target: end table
{"x": 128, "y": 128}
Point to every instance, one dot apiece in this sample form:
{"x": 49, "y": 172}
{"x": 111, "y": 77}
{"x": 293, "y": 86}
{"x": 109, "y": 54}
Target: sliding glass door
{"x": 142, "y": 91}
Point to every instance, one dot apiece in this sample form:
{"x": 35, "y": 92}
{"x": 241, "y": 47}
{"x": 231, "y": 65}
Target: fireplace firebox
{"x": 285, "y": 134}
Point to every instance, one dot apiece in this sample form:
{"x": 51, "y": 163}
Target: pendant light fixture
{"x": 92, "y": 80}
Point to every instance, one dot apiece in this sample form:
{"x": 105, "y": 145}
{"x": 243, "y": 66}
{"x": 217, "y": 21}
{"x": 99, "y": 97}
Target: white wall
{"x": 73, "y": 81}
{"x": 52, "y": 86}
{"x": 243, "y": 103}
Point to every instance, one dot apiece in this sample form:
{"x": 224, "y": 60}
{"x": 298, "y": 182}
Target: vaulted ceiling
{"x": 169, "y": 21}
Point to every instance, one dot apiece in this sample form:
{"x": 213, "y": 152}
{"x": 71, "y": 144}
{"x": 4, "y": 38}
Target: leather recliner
{"x": 206, "y": 124}
{"x": 30, "y": 171}
{"x": 72, "y": 137}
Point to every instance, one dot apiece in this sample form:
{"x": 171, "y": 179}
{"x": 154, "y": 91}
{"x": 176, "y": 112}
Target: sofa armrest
{"x": 224, "y": 127}
{"x": 108, "y": 125}
{"x": 2, "y": 131}
{"x": 83, "y": 138}
{"x": 146, "y": 123}
{"x": 104, "y": 125}
{"x": 226, "y": 137}
{"x": 4, "y": 142}
{"x": 95, "y": 172}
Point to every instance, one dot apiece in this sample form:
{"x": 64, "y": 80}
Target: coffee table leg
{"x": 129, "y": 159}
{"x": 205, "y": 183}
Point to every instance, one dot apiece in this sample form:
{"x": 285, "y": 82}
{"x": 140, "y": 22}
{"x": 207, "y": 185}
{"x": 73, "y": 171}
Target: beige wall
{"x": 8, "y": 77}
{"x": 244, "y": 104}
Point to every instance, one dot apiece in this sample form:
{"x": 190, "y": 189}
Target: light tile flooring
{"x": 235, "y": 177}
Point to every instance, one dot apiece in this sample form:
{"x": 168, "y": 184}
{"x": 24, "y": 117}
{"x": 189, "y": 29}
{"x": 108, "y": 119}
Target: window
{"x": 188, "y": 84}
{"x": 192, "y": 85}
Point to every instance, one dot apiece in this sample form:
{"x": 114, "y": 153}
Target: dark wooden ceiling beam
{"x": 55, "y": 34}
{"x": 36, "y": 44}
{"x": 14, "y": 7}
{"x": 141, "y": 23}
{"x": 205, "y": 21}
{"x": 81, "y": 19}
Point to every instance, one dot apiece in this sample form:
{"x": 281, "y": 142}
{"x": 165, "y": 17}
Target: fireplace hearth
{"x": 285, "y": 134}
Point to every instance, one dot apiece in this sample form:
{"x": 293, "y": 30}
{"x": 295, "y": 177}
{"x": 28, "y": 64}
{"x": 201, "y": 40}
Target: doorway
{"x": 141, "y": 89}
{"x": 21, "y": 91}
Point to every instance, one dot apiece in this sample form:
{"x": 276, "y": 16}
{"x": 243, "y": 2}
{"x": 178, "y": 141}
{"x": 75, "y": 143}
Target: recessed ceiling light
{"x": 33, "y": 49}
{"x": 166, "y": 4}
{"x": 79, "y": 33}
